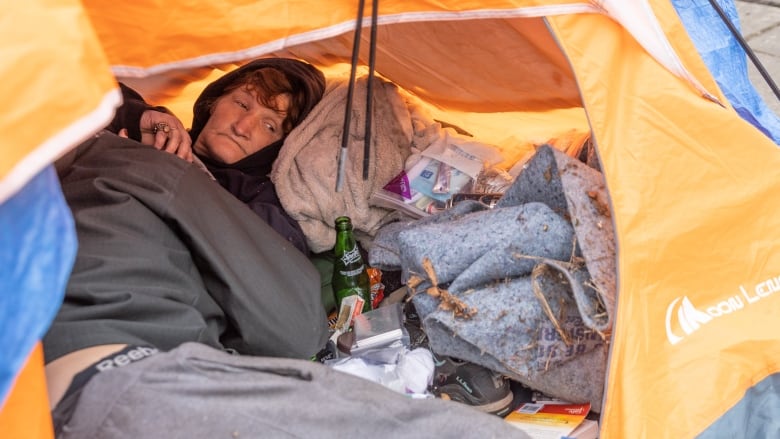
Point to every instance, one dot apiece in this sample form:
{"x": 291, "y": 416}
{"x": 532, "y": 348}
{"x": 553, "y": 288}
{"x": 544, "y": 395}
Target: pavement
{"x": 759, "y": 21}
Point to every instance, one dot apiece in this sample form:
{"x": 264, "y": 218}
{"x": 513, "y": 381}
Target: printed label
{"x": 351, "y": 273}
{"x": 351, "y": 256}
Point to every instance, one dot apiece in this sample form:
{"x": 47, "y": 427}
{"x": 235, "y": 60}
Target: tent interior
{"x": 515, "y": 77}
{"x": 513, "y": 102}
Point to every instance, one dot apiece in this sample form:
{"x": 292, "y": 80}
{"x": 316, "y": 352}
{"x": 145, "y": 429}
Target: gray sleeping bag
{"x": 167, "y": 256}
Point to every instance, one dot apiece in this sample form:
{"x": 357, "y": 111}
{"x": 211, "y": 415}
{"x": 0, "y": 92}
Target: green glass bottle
{"x": 349, "y": 271}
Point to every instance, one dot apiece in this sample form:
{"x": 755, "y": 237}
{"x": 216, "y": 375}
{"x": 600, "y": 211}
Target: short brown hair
{"x": 305, "y": 85}
{"x": 269, "y": 83}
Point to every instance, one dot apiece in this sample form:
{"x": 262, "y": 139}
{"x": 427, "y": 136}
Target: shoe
{"x": 471, "y": 384}
{"x": 417, "y": 336}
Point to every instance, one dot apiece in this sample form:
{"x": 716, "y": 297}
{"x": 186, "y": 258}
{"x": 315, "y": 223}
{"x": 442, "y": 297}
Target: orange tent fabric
{"x": 25, "y": 413}
{"x": 693, "y": 187}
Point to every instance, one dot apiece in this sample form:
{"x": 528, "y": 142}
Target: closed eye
{"x": 242, "y": 104}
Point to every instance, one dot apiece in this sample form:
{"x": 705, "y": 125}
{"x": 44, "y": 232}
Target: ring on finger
{"x": 161, "y": 126}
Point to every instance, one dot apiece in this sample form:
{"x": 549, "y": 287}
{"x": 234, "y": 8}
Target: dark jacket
{"x": 128, "y": 116}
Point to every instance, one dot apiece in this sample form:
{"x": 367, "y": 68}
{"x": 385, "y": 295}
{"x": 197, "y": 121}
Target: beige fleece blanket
{"x": 305, "y": 171}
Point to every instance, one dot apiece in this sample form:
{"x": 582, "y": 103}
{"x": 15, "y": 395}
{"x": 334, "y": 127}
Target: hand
{"x": 165, "y": 132}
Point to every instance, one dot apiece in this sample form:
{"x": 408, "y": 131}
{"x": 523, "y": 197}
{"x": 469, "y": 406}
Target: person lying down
{"x": 187, "y": 313}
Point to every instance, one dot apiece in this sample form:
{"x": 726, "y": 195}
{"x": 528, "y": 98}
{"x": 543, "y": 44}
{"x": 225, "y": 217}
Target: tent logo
{"x": 690, "y": 319}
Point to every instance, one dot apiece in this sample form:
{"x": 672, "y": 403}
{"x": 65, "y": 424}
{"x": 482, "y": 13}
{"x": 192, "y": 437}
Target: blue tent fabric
{"x": 727, "y": 61}
{"x": 755, "y": 416}
{"x": 38, "y": 242}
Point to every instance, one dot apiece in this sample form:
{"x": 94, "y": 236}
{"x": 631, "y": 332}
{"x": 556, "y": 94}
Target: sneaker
{"x": 471, "y": 384}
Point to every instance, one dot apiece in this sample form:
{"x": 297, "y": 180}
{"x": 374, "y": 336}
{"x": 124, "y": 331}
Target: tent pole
{"x": 350, "y": 91}
{"x": 370, "y": 89}
{"x": 746, "y": 48}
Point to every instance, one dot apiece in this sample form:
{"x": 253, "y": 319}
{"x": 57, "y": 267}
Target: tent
{"x": 725, "y": 57}
{"x": 693, "y": 186}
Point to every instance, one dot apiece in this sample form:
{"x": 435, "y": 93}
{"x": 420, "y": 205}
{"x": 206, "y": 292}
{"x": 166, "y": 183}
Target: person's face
{"x": 240, "y": 125}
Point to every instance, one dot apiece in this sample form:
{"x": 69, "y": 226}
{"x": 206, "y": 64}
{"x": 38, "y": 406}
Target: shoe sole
{"x": 495, "y": 407}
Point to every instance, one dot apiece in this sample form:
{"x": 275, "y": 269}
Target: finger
{"x": 185, "y": 154}
{"x": 171, "y": 142}
{"x": 123, "y": 133}
{"x": 179, "y": 143}
{"x": 184, "y": 147}
{"x": 160, "y": 139}
{"x": 175, "y": 142}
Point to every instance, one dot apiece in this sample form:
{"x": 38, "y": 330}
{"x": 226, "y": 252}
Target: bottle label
{"x": 351, "y": 256}
{"x": 351, "y": 273}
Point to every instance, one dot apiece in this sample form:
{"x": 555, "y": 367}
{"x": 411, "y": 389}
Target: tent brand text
{"x": 690, "y": 318}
